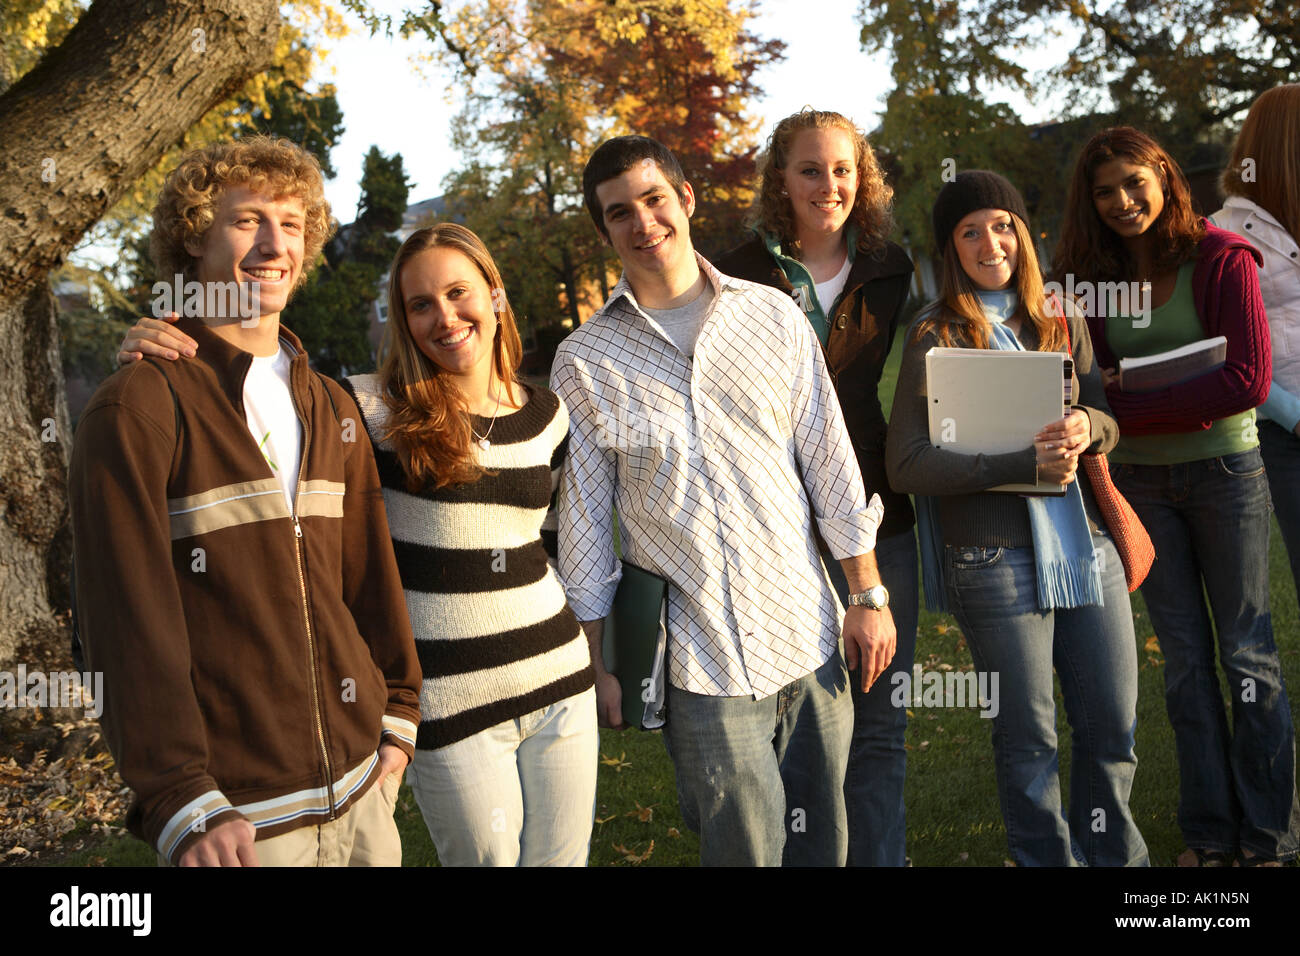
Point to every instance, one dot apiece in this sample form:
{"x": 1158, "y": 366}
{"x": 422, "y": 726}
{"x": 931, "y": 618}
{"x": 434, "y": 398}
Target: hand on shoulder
{"x": 158, "y": 337}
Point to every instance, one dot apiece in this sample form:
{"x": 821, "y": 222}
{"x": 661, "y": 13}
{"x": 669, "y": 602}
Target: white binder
{"x": 988, "y": 401}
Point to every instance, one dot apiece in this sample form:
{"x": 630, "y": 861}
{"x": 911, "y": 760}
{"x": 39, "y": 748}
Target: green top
{"x": 805, "y": 289}
{"x": 1172, "y": 325}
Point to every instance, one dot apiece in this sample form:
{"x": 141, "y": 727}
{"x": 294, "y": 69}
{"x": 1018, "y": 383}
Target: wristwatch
{"x": 874, "y": 598}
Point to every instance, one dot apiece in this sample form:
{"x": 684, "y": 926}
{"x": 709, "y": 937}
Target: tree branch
{"x": 99, "y": 110}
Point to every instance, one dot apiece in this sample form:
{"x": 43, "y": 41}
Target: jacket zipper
{"x": 306, "y": 610}
{"x": 311, "y": 665}
{"x": 302, "y": 591}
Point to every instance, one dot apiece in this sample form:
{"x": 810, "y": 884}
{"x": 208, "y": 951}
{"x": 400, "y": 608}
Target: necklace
{"x": 482, "y": 440}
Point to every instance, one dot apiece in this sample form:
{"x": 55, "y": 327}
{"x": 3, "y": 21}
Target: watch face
{"x": 874, "y": 597}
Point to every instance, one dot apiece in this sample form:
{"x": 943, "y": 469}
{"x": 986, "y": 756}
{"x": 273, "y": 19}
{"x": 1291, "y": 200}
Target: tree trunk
{"x": 92, "y": 117}
{"x": 569, "y": 276}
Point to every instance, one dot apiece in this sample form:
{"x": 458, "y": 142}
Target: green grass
{"x": 952, "y": 807}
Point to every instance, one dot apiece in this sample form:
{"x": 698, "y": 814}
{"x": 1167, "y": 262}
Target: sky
{"x": 386, "y": 103}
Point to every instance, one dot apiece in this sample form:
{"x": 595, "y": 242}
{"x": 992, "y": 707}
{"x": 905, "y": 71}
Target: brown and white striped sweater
{"x": 495, "y": 637}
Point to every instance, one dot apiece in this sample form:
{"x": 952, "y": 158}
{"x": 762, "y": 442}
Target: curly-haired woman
{"x": 820, "y": 220}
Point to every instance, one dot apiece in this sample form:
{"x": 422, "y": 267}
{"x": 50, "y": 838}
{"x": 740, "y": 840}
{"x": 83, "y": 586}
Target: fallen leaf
{"x": 674, "y": 833}
{"x": 631, "y": 857}
{"x": 644, "y": 814}
{"x": 1152, "y": 645}
{"x": 618, "y": 763}
{"x": 606, "y": 819}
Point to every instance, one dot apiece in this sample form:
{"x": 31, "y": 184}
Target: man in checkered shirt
{"x": 701, "y": 409}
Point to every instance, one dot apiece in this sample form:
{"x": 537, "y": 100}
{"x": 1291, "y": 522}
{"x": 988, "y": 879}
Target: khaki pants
{"x": 364, "y": 836}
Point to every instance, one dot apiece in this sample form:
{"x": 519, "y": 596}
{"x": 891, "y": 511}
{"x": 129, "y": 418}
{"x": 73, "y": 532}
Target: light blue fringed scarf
{"x": 1068, "y": 574}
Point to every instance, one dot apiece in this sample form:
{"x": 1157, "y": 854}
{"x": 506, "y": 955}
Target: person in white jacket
{"x": 1262, "y": 183}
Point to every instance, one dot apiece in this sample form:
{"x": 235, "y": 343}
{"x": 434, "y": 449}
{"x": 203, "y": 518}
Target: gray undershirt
{"x": 683, "y": 323}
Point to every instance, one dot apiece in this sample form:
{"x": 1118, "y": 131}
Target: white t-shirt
{"x": 829, "y": 291}
{"x": 272, "y": 419}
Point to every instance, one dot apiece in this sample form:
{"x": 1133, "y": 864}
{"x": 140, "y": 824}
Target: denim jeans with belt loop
{"x": 993, "y": 593}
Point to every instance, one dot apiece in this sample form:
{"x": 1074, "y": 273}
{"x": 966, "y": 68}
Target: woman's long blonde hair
{"x": 957, "y": 317}
{"x": 429, "y": 423}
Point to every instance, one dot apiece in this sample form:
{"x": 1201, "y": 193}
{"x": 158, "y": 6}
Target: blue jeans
{"x": 994, "y": 596}
{"x": 521, "y": 793}
{"x": 1209, "y": 521}
{"x": 1280, "y": 450}
{"x": 738, "y": 783}
{"x": 873, "y": 787}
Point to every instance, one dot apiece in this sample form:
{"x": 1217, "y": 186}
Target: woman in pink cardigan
{"x": 1188, "y": 461}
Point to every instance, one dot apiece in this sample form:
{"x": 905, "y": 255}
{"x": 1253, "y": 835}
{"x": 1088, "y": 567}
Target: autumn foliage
{"x": 546, "y": 81}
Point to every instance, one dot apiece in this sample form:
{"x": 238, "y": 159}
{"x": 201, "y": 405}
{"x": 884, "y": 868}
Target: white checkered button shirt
{"x": 702, "y": 458}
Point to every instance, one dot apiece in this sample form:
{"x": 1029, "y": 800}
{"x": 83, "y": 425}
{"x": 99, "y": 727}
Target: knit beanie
{"x": 972, "y": 190}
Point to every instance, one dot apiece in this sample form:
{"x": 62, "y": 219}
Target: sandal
{"x": 1198, "y": 856}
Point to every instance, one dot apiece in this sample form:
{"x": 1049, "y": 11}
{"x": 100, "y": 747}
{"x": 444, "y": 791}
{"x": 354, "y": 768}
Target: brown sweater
{"x": 251, "y": 656}
{"x": 968, "y": 514}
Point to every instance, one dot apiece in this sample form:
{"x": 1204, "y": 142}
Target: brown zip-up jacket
{"x": 862, "y": 327}
{"x": 253, "y": 658}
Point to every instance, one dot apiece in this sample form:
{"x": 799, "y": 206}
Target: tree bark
{"x": 91, "y": 118}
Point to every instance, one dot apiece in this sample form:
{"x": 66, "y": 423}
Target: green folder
{"x": 635, "y": 645}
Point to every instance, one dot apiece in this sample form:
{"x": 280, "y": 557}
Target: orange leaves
{"x": 1152, "y": 649}
{"x": 644, "y": 814}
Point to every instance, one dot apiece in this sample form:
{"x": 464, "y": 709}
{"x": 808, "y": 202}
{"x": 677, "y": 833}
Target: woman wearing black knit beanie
{"x": 1034, "y": 582}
